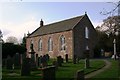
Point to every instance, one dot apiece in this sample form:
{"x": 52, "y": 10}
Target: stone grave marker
{"x": 66, "y": 58}
{"x": 74, "y": 59}
{"x": 44, "y": 61}
{"x": 26, "y": 68}
{"x": 80, "y": 75}
{"x": 48, "y": 73}
{"x": 59, "y": 60}
{"x": 9, "y": 62}
{"x": 17, "y": 62}
{"x": 87, "y": 62}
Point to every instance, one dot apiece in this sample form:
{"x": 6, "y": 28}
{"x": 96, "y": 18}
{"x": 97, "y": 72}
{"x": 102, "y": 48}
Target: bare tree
{"x": 1, "y": 35}
{"x": 12, "y": 39}
{"x": 112, "y": 23}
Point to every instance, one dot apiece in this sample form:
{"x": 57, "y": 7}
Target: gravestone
{"x": 17, "y": 62}
{"x": 39, "y": 61}
{"x": 74, "y": 59}
{"x": 78, "y": 59}
{"x": 55, "y": 64}
{"x": 26, "y": 68}
{"x": 33, "y": 63}
{"x": 47, "y": 57}
{"x": 66, "y": 58}
{"x": 48, "y": 73}
{"x": 4, "y": 62}
{"x": 44, "y": 61}
{"x": 87, "y": 62}
{"x": 59, "y": 60}
{"x": 9, "y": 62}
{"x": 80, "y": 75}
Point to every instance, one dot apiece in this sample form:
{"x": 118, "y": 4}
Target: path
{"x": 108, "y": 64}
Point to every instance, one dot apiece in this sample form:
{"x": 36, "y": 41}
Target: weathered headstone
{"x": 44, "y": 61}
{"x": 66, "y": 58}
{"x": 25, "y": 70}
{"x": 55, "y": 64}
{"x": 47, "y": 57}
{"x": 87, "y": 63}
{"x": 59, "y": 60}
{"x": 33, "y": 63}
{"x": 80, "y": 75}
{"x": 74, "y": 59}
{"x": 48, "y": 73}
{"x": 78, "y": 59}
{"x": 39, "y": 61}
{"x": 17, "y": 62}
{"x": 9, "y": 64}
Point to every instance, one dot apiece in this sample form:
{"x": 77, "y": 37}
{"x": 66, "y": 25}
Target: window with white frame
{"x": 40, "y": 45}
{"x": 50, "y": 44}
{"x": 62, "y": 43}
{"x": 31, "y": 45}
{"x": 86, "y": 32}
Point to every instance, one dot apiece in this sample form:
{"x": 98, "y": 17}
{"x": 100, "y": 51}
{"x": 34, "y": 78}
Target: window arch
{"x": 50, "y": 44}
{"x": 86, "y": 32}
{"x": 31, "y": 45}
{"x": 40, "y": 45}
{"x": 62, "y": 43}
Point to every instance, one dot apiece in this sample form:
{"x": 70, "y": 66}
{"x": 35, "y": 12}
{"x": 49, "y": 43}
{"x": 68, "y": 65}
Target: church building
{"x": 71, "y": 36}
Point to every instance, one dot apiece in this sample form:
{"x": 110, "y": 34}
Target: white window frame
{"x": 40, "y": 45}
{"x": 50, "y": 44}
{"x": 86, "y": 33}
{"x": 62, "y": 43}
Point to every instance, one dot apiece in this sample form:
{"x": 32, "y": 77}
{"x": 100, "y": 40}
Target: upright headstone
{"x": 44, "y": 61}
{"x": 80, "y": 75}
{"x": 48, "y": 73}
{"x": 59, "y": 60}
{"x": 66, "y": 58}
{"x": 74, "y": 59}
{"x": 36, "y": 60}
{"x": 47, "y": 57}
{"x": 55, "y": 63}
{"x": 87, "y": 62}
{"x": 25, "y": 70}
{"x": 39, "y": 61}
{"x": 17, "y": 63}
{"x": 33, "y": 63}
{"x": 9, "y": 64}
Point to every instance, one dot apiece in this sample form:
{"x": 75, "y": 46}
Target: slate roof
{"x": 60, "y": 26}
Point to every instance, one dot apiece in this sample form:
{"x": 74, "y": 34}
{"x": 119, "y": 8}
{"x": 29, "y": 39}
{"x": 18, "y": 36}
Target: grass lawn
{"x": 112, "y": 73}
{"x": 68, "y": 71}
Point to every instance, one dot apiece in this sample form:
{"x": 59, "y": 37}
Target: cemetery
{"x": 47, "y": 69}
{"x": 20, "y": 67}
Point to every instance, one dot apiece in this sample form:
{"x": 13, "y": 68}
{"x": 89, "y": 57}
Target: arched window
{"x": 31, "y": 45}
{"x": 62, "y": 43}
{"x": 40, "y": 45}
{"x": 86, "y": 32}
{"x": 50, "y": 44}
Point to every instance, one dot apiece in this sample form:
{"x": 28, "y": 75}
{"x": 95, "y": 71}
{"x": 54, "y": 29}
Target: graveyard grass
{"x": 112, "y": 73}
{"x": 68, "y": 71}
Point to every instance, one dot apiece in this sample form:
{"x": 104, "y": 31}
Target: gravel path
{"x": 108, "y": 64}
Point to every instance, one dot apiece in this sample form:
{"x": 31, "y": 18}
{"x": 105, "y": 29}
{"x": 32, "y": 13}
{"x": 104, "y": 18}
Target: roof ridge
{"x": 63, "y": 20}
{"x": 58, "y": 26}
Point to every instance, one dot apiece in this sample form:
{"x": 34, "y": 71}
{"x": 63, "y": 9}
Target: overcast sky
{"x": 17, "y": 18}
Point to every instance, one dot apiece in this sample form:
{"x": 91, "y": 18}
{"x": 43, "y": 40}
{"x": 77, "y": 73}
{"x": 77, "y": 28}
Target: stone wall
{"x": 80, "y": 42}
{"x": 56, "y": 44}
